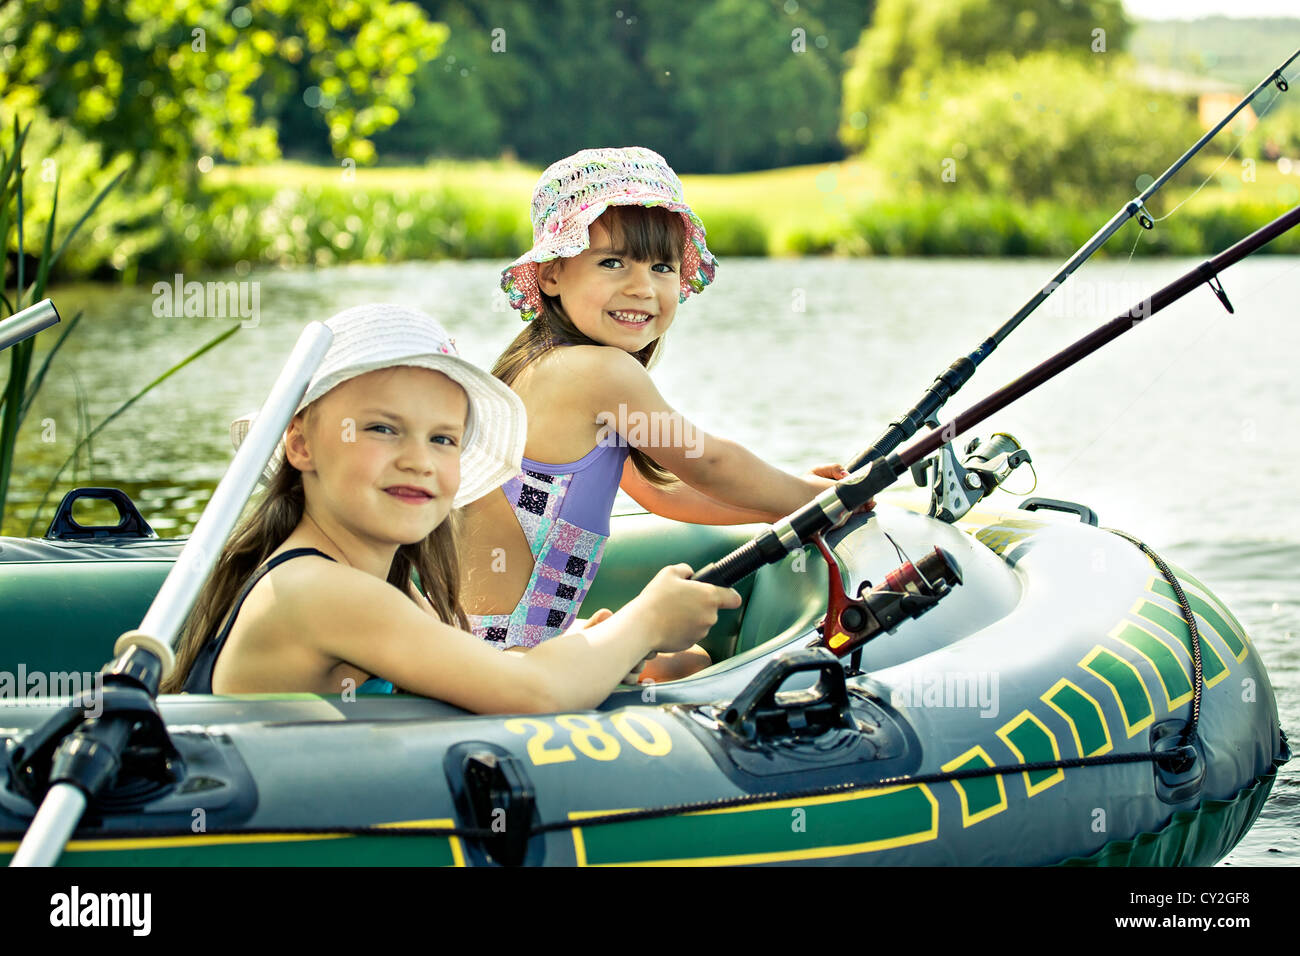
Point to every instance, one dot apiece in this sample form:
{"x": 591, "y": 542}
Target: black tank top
{"x": 199, "y": 679}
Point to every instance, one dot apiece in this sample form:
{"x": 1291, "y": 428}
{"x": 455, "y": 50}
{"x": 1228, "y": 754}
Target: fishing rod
{"x": 950, "y": 381}
{"x": 839, "y": 501}
{"x": 78, "y": 752}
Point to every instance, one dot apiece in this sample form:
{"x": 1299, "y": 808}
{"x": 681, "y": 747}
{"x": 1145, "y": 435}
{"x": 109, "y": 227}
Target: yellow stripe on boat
{"x": 902, "y": 816}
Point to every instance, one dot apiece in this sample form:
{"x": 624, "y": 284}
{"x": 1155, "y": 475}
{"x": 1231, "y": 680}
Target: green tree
{"x": 713, "y": 84}
{"x": 1043, "y": 126}
{"x": 757, "y": 88}
{"x": 459, "y": 99}
{"x": 920, "y": 40}
{"x": 179, "y": 81}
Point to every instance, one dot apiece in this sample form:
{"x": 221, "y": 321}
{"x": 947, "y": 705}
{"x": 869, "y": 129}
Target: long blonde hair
{"x": 646, "y": 233}
{"x": 274, "y": 517}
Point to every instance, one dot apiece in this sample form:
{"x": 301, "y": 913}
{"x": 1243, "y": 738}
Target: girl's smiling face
{"x": 611, "y": 297}
{"x": 380, "y": 454}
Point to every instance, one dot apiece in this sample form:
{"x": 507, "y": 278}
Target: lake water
{"x": 1183, "y": 432}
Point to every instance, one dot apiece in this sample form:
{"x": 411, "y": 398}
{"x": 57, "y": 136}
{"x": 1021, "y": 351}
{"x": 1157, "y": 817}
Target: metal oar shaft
{"x": 50, "y": 829}
{"x": 27, "y": 322}
{"x": 181, "y": 588}
{"x": 79, "y": 771}
{"x": 961, "y": 371}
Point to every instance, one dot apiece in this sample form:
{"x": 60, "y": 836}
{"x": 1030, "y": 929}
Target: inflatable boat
{"x": 1072, "y": 699}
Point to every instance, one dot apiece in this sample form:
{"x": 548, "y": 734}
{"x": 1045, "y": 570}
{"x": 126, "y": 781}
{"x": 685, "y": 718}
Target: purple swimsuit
{"x": 564, "y": 513}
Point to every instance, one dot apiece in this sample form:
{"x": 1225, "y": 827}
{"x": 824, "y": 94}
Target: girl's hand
{"x": 634, "y": 676}
{"x": 604, "y": 614}
{"x": 680, "y": 612}
{"x": 823, "y": 476}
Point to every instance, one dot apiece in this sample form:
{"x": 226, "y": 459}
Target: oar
{"x": 27, "y": 322}
{"x": 835, "y": 503}
{"x": 950, "y": 381}
{"x": 87, "y": 759}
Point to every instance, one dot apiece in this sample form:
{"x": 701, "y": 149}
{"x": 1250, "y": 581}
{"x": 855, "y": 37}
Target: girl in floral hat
{"x": 314, "y": 591}
{"x": 615, "y": 251}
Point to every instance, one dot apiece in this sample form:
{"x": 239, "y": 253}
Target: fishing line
{"x": 1273, "y": 96}
{"x": 1124, "y": 411}
{"x": 1132, "y": 249}
{"x": 1187, "y": 348}
{"x": 952, "y": 379}
{"x": 901, "y": 556}
{"x": 1276, "y": 92}
{"x": 1021, "y": 494}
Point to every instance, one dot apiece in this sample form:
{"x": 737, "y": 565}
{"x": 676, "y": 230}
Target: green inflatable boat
{"x": 1053, "y": 708}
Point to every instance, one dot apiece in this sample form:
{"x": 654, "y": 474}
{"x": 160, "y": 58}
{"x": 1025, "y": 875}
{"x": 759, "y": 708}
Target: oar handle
{"x": 27, "y": 322}
{"x": 50, "y": 829}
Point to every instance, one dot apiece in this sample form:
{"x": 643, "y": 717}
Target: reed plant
{"x": 23, "y": 382}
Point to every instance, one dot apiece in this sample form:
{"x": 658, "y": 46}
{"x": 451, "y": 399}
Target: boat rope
{"x": 628, "y": 816}
{"x": 1198, "y": 676}
{"x": 651, "y": 813}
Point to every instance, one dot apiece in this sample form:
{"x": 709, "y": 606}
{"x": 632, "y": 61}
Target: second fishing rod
{"x": 950, "y": 381}
{"x": 838, "y": 502}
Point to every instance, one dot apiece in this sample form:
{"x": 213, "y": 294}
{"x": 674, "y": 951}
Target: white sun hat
{"x": 371, "y": 337}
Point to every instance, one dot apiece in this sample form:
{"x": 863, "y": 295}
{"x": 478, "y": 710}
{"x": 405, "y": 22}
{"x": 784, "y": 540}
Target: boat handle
{"x": 1086, "y": 514}
{"x": 761, "y": 710}
{"x": 131, "y": 523}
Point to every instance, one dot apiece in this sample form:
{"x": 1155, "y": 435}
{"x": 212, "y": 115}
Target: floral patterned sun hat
{"x": 574, "y": 192}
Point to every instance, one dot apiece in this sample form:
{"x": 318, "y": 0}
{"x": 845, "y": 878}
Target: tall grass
{"x": 933, "y": 226}
{"x": 22, "y": 386}
{"x": 294, "y": 214}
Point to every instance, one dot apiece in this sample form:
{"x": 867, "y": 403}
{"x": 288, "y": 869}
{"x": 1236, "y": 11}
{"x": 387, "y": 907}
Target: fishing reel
{"x": 956, "y": 486}
{"x": 907, "y": 592}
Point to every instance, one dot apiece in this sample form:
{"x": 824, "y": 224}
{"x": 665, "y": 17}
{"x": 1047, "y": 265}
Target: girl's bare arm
{"x": 351, "y": 616}
{"x": 621, "y": 392}
{"x": 681, "y": 502}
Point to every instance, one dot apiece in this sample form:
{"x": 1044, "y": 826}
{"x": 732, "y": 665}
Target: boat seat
{"x": 774, "y": 601}
{"x": 785, "y": 598}
{"x": 642, "y": 544}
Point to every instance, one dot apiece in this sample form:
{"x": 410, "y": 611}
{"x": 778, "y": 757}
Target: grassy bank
{"x": 291, "y": 214}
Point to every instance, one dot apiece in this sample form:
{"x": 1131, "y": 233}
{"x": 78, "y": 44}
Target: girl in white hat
{"x": 615, "y": 251}
{"x": 314, "y": 591}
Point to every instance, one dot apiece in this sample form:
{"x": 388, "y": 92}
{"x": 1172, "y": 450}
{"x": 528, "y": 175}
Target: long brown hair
{"x": 265, "y": 528}
{"x": 646, "y": 234}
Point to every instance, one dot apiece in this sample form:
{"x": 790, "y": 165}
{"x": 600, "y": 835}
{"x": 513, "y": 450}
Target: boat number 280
{"x": 589, "y": 737}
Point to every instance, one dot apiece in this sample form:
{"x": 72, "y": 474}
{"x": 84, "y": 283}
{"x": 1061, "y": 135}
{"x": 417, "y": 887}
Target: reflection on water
{"x": 1182, "y": 432}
